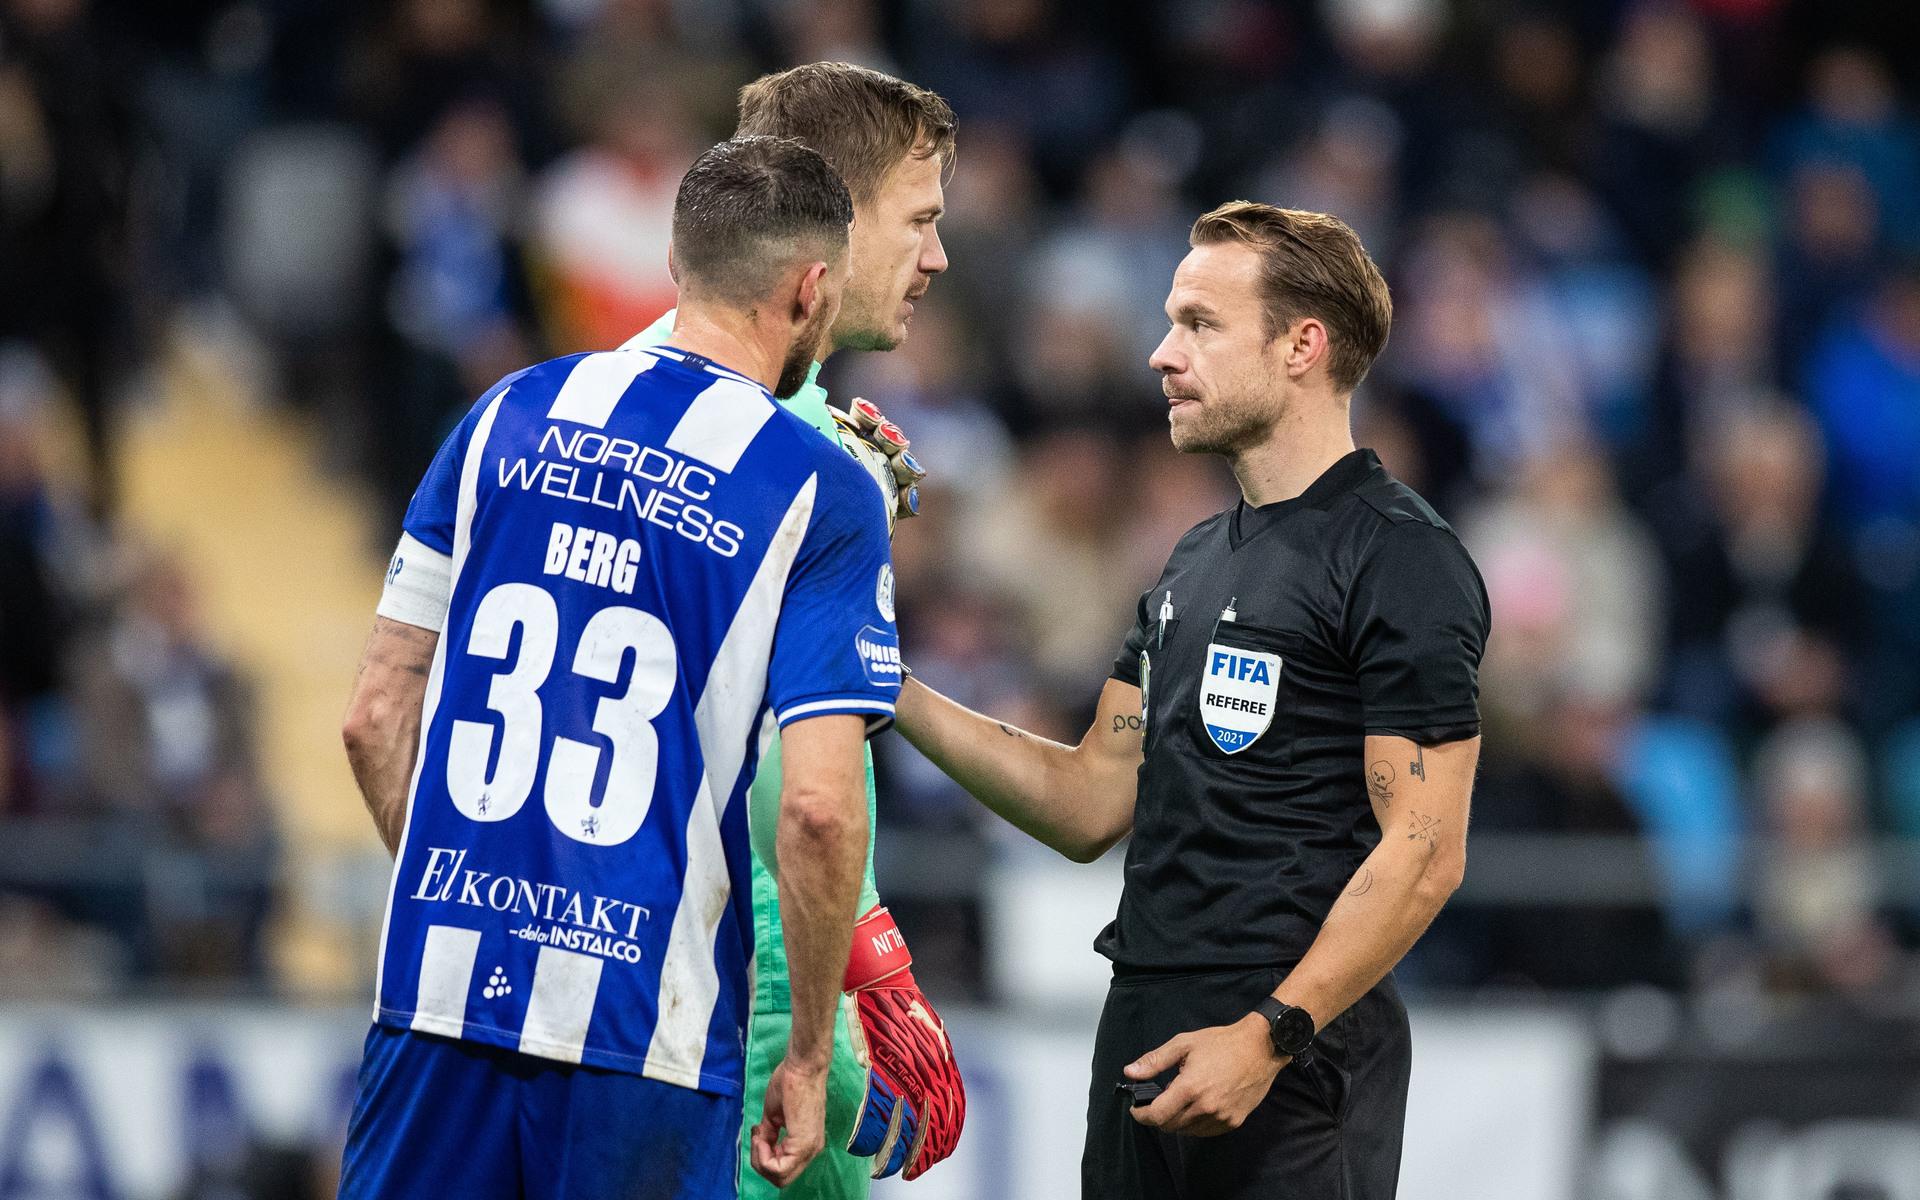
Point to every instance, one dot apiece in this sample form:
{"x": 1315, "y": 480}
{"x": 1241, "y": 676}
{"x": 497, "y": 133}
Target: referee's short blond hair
{"x": 1311, "y": 265}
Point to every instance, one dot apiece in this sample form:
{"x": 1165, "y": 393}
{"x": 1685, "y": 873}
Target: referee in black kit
{"x": 1290, "y": 735}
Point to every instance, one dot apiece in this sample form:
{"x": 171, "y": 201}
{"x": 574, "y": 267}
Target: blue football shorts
{"x": 436, "y": 1118}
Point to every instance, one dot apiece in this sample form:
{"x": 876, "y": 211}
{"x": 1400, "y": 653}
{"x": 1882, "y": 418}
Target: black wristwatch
{"x": 1290, "y": 1029}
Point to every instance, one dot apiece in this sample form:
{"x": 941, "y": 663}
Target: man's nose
{"x": 1164, "y": 357}
{"x": 933, "y": 254}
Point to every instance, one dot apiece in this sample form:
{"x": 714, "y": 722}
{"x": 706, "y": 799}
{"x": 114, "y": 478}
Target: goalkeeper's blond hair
{"x": 862, "y": 121}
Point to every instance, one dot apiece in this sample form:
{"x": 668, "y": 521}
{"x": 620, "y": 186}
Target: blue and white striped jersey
{"x": 647, "y": 555}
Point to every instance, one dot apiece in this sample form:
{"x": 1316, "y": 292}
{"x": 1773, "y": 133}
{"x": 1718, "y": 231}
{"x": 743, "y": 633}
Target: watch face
{"x": 1292, "y": 1031}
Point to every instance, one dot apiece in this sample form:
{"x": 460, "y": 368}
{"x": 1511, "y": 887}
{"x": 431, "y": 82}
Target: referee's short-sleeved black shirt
{"x": 1354, "y": 610}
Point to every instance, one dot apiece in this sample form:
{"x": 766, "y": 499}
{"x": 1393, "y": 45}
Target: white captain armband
{"x": 419, "y": 585}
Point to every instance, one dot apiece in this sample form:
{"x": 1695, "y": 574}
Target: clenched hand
{"x": 1225, "y": 1072}
{"x": 796, "y": 1104}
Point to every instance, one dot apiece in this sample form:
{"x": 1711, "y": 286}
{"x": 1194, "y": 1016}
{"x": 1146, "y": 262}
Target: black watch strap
{"x": 1289, "y": 1028}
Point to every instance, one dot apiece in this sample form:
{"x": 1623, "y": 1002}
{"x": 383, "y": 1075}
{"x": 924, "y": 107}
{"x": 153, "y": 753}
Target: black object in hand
{"x": 1140, "y": 1093}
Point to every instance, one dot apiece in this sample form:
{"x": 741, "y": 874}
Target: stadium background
{"x": 1657, "y": 356}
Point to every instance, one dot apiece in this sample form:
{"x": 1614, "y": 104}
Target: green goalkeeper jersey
{"x": 770, "y": 947}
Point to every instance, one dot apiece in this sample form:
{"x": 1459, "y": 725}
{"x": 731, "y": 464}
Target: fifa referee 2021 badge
{"x": 1290, "y": 735}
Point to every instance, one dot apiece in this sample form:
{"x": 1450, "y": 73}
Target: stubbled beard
{"x": 867, "y": 339}
{"x": 1225, "y": 431}
{"x": 799, "y": 360}
{"x": 871, "y": 334}
{"x": 863, "y": 326}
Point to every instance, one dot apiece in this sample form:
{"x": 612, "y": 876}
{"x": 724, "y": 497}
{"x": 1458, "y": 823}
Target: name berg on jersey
{"x": 591, "y": 556}
{"x": 670, "y": 502}
{"x": 596, "y": 921}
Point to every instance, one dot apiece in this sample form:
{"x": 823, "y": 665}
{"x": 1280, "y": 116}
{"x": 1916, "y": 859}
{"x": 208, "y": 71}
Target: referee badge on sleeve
{"x": 1238, "y": 692}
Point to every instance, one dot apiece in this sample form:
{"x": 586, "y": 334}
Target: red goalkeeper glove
{"x": 915, "y": 1103}
{"x": 881, "y": 449}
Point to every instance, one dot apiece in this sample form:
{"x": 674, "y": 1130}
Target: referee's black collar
{"x": 1352, "y": 470}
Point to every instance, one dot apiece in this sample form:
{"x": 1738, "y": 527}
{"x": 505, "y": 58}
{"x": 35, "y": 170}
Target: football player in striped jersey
{"x": 622, "y": 572}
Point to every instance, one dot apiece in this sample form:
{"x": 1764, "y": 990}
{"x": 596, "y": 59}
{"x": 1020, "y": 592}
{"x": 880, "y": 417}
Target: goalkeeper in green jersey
{"x": 893, "y": 1095}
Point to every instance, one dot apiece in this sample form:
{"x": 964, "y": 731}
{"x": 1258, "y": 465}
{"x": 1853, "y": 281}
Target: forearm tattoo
{"x": 401, "y": 648}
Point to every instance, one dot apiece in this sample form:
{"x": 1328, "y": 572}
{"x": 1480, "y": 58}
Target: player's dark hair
{"x": 1311, "y": 265}
{"x": 749, "y": 208}
{"x": 864, "y": 122}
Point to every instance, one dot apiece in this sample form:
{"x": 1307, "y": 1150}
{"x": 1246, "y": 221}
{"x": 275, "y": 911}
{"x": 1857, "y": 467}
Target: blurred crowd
{"x": 136, "y": 838}
{"x": 1657, "y": 356}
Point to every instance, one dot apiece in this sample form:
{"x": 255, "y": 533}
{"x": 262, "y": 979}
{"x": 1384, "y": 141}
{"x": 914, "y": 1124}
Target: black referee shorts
{"x": 1327, "y": 1131}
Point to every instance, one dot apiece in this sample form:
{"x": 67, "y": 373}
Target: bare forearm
{"x": 820, "y": 850}
{"x": 821, "y": 860}
{"x": 1420, "y": 797}
{"x": 1008, "y": 770}
{"x": 382, "y": 727}
{"x": 383, "y": 767}
{"x": 1077, "y": 800}
{"x": 1389, "y": 903}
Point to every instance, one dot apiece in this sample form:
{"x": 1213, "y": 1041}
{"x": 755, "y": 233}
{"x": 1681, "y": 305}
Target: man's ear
{"x": 673, "y": 268}
{"x": 1304, "y": 346}
{"x": 812, "y": 293}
